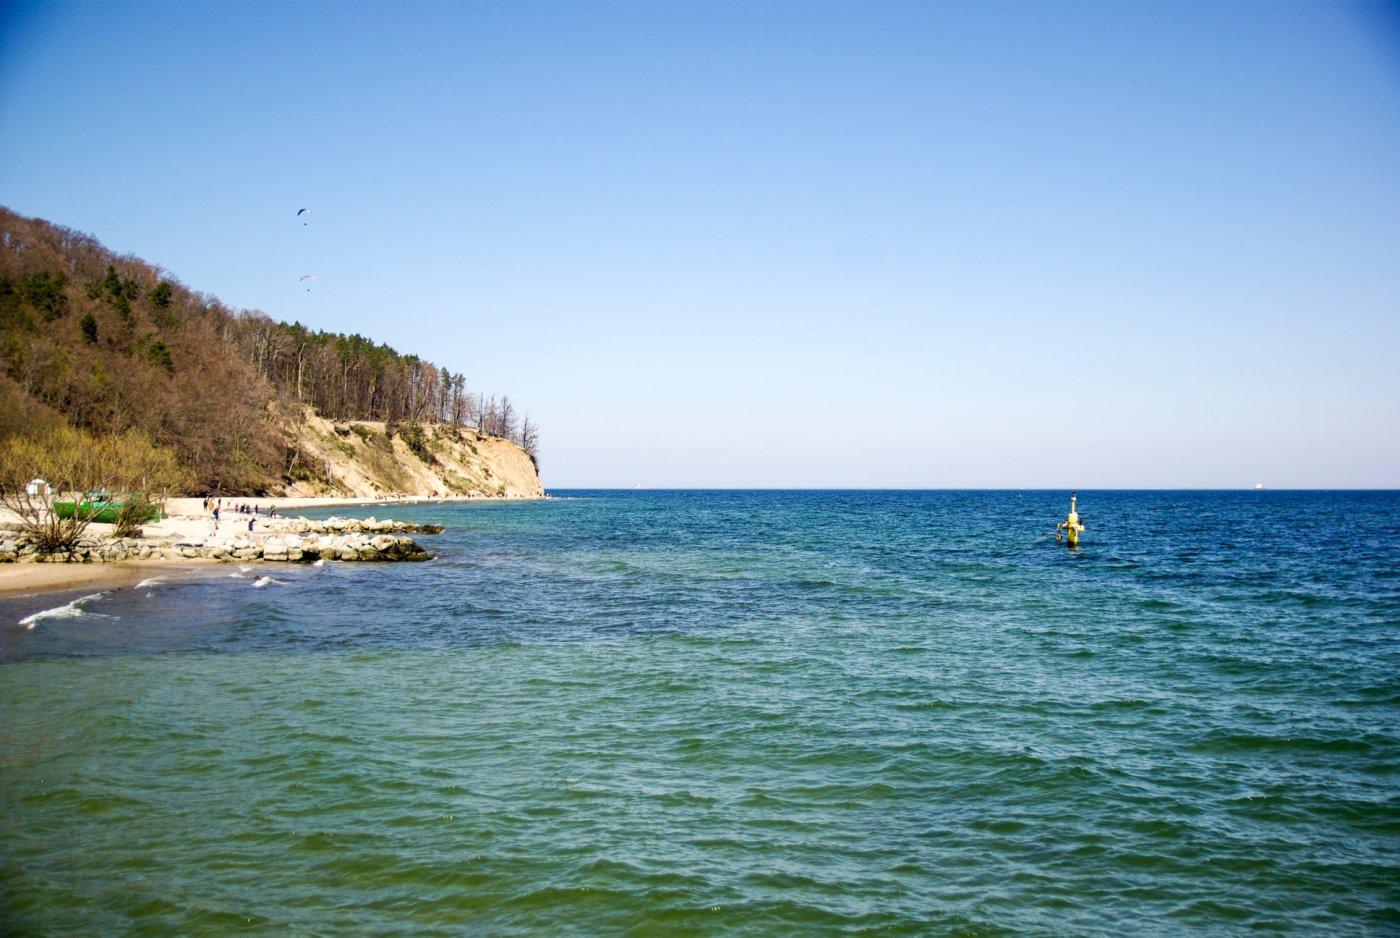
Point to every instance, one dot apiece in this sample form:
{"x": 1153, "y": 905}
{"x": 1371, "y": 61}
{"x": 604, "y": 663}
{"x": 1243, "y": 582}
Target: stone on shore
{"x": 299, "y": 542}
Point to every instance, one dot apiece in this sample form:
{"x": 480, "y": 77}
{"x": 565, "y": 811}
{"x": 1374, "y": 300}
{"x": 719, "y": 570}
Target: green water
{"x": 729, "y": 713}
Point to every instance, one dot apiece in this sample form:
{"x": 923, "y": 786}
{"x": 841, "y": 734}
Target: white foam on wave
{"x": 262, "y": 581}
{"x": 73, "y": 610}
{"x": 320, "y": 563}
{"x": 151, "y": 582}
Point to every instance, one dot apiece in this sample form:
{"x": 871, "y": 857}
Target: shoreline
{"x": 185, "y": 518}
{"x": 28, "y": 579}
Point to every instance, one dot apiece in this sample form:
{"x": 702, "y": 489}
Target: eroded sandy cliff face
{"x": 362, "y": 459}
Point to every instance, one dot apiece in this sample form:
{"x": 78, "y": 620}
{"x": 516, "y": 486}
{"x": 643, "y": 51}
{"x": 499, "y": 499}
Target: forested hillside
{"x": 110, "y": 343}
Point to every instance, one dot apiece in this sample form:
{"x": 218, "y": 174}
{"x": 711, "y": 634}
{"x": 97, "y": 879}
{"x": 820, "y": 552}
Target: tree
{"x": 506, "y": 428}
{"x": 530, "y": 440}
{"x": 45, "y": 294}
{"x": 111, "y": 284}
{"x": 488, "y": 416}
{"x": 107, "y": 343}
{"x": 128, "y": 467}
{"x": 162, "y": 296}
{"x": 461, "y": 403}
{"x": 158, "y": 353}
{"x": 20, "y": 414}
{"x": 444, "y": 406}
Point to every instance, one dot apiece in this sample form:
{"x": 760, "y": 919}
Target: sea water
{"x": 730, "y": 713}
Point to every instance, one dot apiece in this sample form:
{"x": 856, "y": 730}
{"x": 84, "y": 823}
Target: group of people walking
{"x": 215, "y": 507}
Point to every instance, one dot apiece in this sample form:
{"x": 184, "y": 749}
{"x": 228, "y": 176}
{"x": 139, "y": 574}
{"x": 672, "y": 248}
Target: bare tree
{"x": 507, "y": 428}
{"x": 530, "y": 440}
{"x": 484, "y": 412}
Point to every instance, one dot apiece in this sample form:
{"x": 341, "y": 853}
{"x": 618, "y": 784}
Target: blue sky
{"x": 786, "y": 244}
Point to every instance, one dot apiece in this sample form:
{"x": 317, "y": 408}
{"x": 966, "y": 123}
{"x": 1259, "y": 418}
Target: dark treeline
{"x": 110, "y": 343}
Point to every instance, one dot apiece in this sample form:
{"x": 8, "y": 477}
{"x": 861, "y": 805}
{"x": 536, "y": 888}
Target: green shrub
{"x": 417, "y": 442}
{"x": 135, "y": 511}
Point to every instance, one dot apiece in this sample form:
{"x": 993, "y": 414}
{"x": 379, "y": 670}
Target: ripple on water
{"x": 731, "y": 713}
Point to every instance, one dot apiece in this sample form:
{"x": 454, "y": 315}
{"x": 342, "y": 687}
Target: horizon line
{"x": 955, "y": 488}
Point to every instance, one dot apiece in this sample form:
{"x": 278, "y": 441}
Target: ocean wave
{"x": 71, "y": 610}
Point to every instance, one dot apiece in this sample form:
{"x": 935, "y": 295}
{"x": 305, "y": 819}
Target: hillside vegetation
{"x": 109, "y": 344}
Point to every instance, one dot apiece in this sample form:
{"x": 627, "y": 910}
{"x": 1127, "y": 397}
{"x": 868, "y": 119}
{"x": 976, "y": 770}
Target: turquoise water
{"x": 765, "y": 713}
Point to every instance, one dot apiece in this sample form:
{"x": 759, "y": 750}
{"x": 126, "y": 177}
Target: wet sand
{"x": 17, "y": 579}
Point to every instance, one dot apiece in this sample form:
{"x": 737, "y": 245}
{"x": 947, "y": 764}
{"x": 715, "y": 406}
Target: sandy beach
{"x": 185, "y": 518}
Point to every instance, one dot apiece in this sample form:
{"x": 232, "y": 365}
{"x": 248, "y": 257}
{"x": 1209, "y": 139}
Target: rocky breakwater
{"x": 302, "y": 548}
{"x": 282, "y": 540}
{"x": 345, "y": 526}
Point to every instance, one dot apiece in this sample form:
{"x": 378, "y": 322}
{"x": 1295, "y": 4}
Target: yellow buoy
{"x": 1070, "y": 527}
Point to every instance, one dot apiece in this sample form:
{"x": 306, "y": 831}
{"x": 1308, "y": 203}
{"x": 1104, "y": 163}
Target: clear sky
{"x": 780, "y": 244}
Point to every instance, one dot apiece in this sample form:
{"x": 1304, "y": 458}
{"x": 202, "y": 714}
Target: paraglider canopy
{"x": 306, "y": 277}
{"x": 302, "y": 214}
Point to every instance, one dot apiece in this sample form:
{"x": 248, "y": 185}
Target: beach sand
{"x": 185, "y": 518}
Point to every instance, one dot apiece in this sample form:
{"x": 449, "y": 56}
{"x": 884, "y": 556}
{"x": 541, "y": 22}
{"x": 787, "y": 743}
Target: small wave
{"x": 262, "y": 581}
{"x": 320, "y": 562}
{"x": 150, "y": 582}
{"x": 72, "y": 610}
{"x": 1245, "y": 742}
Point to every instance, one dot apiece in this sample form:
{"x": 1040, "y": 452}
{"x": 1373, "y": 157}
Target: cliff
{"x": 110, "y": 345}
{"x": 363, "y": 458}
